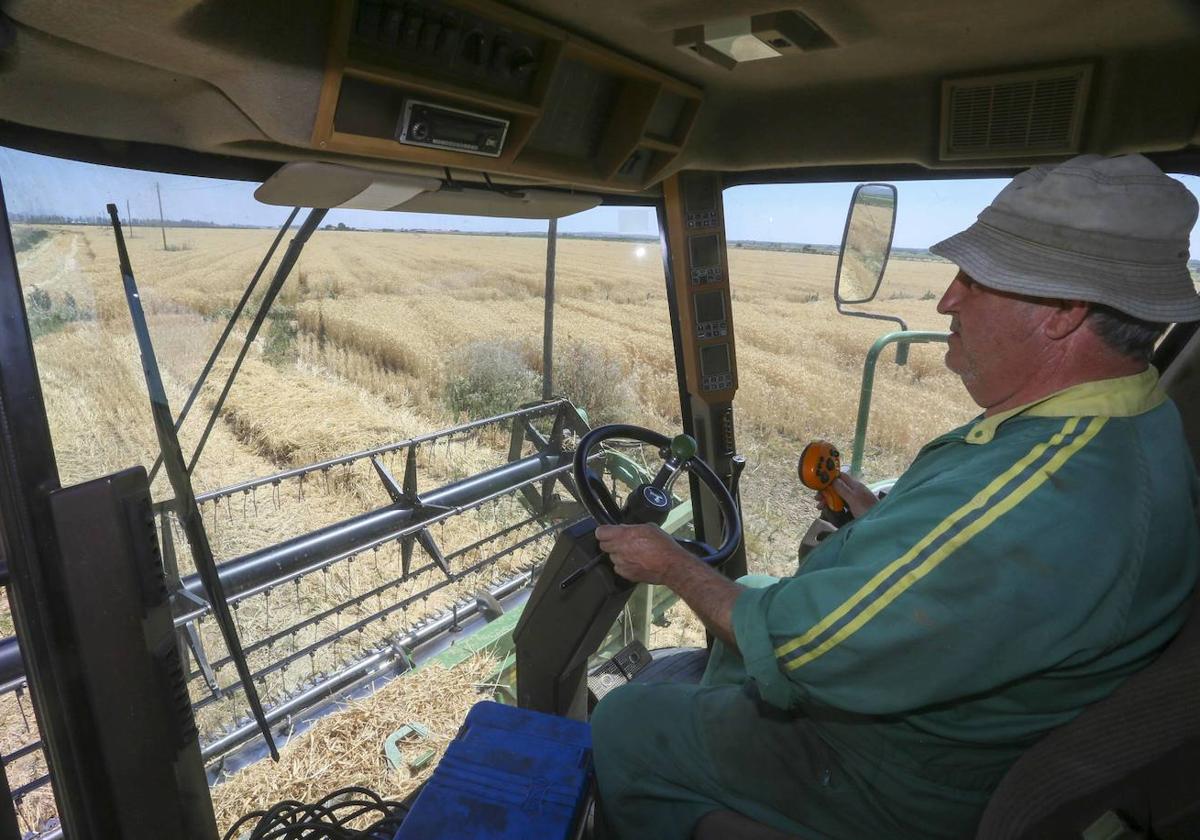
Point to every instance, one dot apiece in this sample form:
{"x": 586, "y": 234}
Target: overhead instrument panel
{"x": 701, "y": 277}
{"x": 479, "y": 86}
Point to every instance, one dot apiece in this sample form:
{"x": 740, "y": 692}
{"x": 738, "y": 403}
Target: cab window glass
{"x": 800, "y": 362}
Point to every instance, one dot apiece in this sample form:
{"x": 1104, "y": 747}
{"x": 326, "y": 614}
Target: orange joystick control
{"x": 821, "y": 463}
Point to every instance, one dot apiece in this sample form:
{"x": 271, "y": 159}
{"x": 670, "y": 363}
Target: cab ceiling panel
{"x": 264, "y": 58}
{"x": 875, "y": 94}
{"x": 58, "y": 77}
{"x": 608, "y": 96}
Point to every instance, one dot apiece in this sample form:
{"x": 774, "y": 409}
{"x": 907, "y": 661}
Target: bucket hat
{"x": 1112, "y": 231}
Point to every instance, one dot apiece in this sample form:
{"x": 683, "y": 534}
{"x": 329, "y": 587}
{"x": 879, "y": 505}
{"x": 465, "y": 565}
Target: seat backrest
{"x": 1148, "y": 726}
{"x": 1150, "y": 721}
{"x": 1181, "y": 381}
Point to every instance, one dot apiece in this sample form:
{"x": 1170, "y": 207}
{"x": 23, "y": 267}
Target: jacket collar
{"x": 1124, "y": 396}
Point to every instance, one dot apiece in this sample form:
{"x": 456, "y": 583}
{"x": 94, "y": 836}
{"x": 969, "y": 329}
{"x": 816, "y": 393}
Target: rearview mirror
{"x": 870, "y": 225}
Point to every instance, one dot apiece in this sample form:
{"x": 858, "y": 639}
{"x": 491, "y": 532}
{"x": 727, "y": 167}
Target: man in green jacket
{"x": 1023, "y": 567}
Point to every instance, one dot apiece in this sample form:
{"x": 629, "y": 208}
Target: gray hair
{"x": 1126, "y": 334}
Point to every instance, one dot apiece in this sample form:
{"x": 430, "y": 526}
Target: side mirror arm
{"x": 901, "y": 340}
{"x": 901, "y": 348}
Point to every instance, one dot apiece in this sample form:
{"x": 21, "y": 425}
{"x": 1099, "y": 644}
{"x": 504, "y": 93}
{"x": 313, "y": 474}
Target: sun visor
{"x": 520, "y": 203}
{"x": 310, "y": 184}
{"x": 330, "y": 185}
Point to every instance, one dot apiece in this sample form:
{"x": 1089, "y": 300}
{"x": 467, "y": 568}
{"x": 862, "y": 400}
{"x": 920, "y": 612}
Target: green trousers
{"x": 663, "y": 755}
{"x": 662, "y": 762}
{"x": 666, "y": 754}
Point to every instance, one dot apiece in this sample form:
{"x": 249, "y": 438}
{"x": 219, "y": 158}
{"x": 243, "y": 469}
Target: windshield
{"x": 392, "y": 335}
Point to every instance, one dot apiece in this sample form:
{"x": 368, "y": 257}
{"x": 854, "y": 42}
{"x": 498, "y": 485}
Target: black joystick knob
{"x": 448, "y": 39}
{"x": 412, "y": 28}
{"x": 500, "y": 58}
{"x": 429, "y": 35}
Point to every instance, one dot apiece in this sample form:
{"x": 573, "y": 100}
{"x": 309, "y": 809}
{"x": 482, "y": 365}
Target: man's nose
{"x": 953, "y": 294}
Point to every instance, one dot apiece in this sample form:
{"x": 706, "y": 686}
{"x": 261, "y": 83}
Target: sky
{"x": 803, "y": 213}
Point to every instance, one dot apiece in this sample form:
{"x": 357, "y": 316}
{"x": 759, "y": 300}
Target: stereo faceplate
{"x": 441, "y": 127}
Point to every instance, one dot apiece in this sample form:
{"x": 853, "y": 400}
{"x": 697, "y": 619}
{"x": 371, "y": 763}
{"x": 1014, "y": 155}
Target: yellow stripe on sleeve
{"x": 979, "y": 500}
{"x": 958, "y": 540}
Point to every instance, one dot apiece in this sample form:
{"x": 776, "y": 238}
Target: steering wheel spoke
{"x": 596, "y": 486}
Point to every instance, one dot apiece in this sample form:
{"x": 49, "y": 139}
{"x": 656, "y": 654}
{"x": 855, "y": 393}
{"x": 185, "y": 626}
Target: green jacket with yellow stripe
{"x": 1023, "y": 567}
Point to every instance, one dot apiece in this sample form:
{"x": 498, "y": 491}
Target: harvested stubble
{"x": 347, "y": 749}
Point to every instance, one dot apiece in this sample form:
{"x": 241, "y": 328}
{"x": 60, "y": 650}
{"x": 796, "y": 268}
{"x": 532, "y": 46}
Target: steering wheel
{"x": 651, "y": 502}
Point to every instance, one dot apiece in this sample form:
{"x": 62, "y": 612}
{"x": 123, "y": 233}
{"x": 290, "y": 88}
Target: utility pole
{"x": 161, "y": 224}
{"x": 129, "y": 218}
{"x": 548, "y": 321}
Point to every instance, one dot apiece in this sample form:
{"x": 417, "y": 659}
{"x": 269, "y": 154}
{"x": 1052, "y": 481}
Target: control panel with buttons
{"x": 456, "y": 44}
{"x": 705, "y": 258}
{"x": 702, "y": 288}
{"x": 712, "y": 329}
{"x": 716, "y": 381}
{"x": 726, "y": 436}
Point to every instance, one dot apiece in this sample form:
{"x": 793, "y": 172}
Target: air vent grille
{"x": 1015, "y": 114}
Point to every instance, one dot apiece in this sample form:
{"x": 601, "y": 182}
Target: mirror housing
{"x": 866, "y": 243}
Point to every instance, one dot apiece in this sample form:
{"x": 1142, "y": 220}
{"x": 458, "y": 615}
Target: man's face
{"x": 995, "y": 338}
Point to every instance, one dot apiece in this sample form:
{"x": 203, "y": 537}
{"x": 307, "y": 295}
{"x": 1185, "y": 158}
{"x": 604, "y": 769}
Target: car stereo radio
{"x": 439, "y": 127}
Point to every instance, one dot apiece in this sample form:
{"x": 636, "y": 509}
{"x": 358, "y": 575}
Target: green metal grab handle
{"x": 420, "y": 756}
{"x": 902, "y": 338}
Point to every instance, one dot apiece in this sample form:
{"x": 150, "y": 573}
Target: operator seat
{"x": 1136, "y": 754}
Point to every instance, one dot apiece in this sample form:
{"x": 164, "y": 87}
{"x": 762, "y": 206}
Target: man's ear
{"x": 1066, "y": 317}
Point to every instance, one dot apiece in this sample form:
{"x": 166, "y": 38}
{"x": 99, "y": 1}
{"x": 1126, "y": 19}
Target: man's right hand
{"x": 644, "y": 553}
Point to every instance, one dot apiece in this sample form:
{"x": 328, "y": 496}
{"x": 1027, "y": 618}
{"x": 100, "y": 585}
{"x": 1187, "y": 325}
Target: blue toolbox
{"x": 511, "y": 774}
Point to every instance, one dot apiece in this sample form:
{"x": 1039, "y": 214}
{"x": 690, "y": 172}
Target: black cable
{"x": 511, "y": 192}
{"x": 328, "y": 818}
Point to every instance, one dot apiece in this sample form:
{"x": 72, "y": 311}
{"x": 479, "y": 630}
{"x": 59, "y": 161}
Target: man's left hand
{"x": 643, "y": 553}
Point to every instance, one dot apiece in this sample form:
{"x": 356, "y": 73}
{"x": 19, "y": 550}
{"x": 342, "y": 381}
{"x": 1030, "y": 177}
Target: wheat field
{"x": 380, "y": 319}
{"x": 376, "y": 333}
